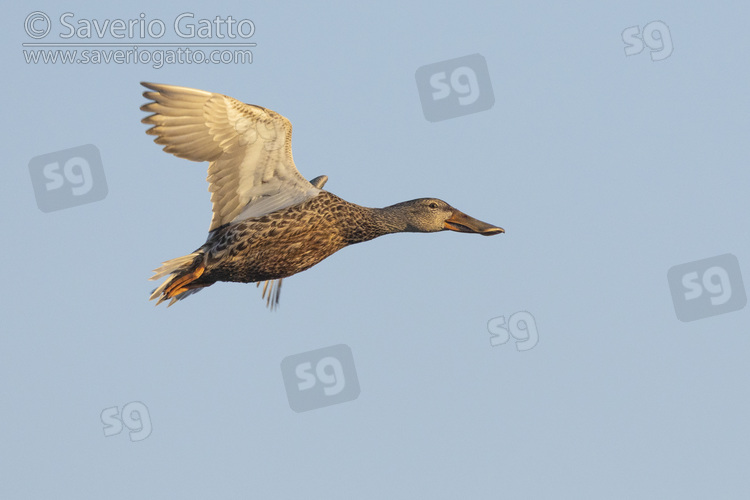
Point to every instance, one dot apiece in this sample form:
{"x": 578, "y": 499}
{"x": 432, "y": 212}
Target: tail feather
{"x": 181, "y": 272}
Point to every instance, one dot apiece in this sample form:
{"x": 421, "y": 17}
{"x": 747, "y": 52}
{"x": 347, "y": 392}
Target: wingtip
{"x": 165, "y": 88}
{"x": 319, "y": 181}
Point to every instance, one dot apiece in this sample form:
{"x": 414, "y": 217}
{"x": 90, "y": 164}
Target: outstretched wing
{"x": 252, "y": 172}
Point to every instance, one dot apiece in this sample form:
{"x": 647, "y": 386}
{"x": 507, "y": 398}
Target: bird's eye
{"x": 433, "y": 205}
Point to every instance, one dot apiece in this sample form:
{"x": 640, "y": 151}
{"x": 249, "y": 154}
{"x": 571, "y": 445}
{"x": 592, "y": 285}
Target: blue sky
{"x": 606, "y": 170}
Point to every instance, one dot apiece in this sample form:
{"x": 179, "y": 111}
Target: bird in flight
{"x": 268, "y": 221}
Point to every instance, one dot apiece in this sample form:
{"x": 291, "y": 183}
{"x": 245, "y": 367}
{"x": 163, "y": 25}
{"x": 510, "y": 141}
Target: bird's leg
{"x": 178, "y": 286}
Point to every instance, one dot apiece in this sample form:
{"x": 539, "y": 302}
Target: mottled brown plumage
{"x": 269, "y": 223}
{"x": 288, "y": 241}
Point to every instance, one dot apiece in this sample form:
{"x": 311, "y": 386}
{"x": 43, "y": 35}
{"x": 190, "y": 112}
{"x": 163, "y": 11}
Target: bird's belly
{"x": 271, "y": 255}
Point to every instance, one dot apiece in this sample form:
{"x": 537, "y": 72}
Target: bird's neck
{"x": 378, "y": 222}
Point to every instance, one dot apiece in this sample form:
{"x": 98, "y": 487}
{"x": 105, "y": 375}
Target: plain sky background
{"x": 605, "y": 171}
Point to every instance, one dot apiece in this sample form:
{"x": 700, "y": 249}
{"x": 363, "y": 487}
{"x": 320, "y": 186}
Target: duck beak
{"x": 459, "y": 221}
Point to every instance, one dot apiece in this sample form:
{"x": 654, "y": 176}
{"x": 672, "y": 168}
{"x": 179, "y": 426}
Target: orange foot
{"x": 180, "y": 285}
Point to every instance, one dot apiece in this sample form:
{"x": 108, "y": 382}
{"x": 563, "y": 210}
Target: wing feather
{"x": 251, "y": 171}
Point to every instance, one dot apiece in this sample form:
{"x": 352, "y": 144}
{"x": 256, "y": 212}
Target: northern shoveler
{"x": 268, "y": 221}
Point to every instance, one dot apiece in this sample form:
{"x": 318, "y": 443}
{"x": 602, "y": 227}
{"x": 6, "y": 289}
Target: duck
{"x": 268, "y": 221}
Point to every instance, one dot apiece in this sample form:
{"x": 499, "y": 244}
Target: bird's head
{"x": 428, "y": 215}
